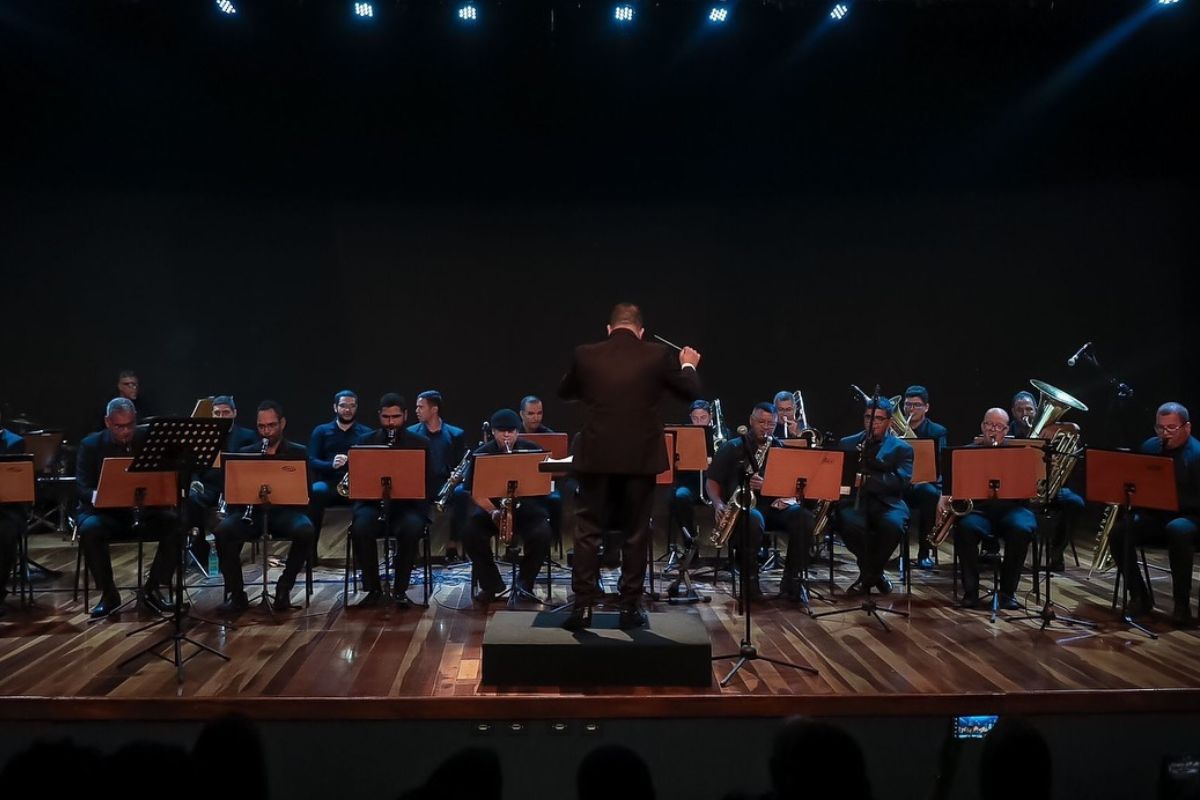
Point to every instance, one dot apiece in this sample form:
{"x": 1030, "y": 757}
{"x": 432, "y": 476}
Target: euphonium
{"x": 1063, "y": 438}
{"x": 899, "y": 421}
{"x": 723, "y": 528}
{"x": 1102, "y": 558}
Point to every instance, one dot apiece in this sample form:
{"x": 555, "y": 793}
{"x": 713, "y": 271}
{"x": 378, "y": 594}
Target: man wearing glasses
{"x": 874, "y": 526}
{"x": 1010, "y": 520}
{"x": 327, "y": 457}
{"x": 1178, "y": 530}
{"x": 923, "y": 497}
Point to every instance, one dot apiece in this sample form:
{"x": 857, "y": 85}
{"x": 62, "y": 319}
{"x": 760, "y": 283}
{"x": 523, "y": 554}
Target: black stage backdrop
{"x": 287, "y": 204}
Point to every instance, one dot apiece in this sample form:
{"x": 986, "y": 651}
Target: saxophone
{"x": 737, "y": 503}
{"x": 1102, "y": 559}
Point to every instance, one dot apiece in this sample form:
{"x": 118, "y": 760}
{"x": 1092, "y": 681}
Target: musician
{"x": 874, "y": 529}
{"x": 530, "y": 518}
{"x": 284, "y": 522}
{"x": 129, "y": 386}
{"x": 447, "y": 446}
{"x": 327, "y": 448}
{"x": 1009, "y": 520}
{"x": 923, "y": 497}
{"x": 1180, "y": 530}
{"x": 688, "y": 489}
{"x": 1068, "y": 503}
{"x": 621, "y": 382}
{"x": 97, "y": 527}
{"x": 531, "y": 422}
{"x": 205, "y": 492}
{"x": 12, "y": 519}
{"x": 406, "y": 518}
{"x": 777, "y": 513}
{"x": 788, "y": 426}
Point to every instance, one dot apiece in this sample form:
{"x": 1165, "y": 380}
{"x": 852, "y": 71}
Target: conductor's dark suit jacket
{"x": 622, "y": 382}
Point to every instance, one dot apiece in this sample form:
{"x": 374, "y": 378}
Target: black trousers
{"x": 1070, "y": 506}
{"x": 1013, "y": 523}
{"x": 871, "y": 533}
{"x": 406, "y": 523}
{"x": 612, "y": 502}
{"x": 923, "y": 499}
{"x": 98, "y": 528}
{"x": 1180, "y": 534}
{"x": 12, "y": 527}
{"x": 531, "y": 525}
{"x": 683, "y": 512}
{"x": 794, "y": 520}
{"x": 283, "y": 522}
{"x": 322, "y": 495}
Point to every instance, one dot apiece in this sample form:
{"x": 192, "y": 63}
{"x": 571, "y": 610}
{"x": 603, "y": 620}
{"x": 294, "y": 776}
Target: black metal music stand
{"x": 521, "y": 476}
{"x": 1047, "y": 614}
{"x": 747, "y": 652}
{"x": 182, "y": 445}
{"x": 1114, "y": 477}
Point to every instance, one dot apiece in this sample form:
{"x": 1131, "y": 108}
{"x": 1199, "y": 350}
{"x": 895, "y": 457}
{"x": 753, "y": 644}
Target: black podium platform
{"x": 524, "y": 649}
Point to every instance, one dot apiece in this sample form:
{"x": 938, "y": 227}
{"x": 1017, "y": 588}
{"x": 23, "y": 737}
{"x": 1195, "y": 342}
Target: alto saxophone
{"x": 737, "y": 503}
{"x": 459, "y": 472}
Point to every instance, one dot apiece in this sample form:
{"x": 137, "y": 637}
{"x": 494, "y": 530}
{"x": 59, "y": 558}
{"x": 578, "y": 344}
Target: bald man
{"x": 1010, "y": 520}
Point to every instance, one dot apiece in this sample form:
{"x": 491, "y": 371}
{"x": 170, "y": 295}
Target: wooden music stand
{"x": 691, "y": 447}
{"x": 252, "y": 480}
{"x": 378, "y": 472}
{"x": 17, "y": 481}
{"x": 925, "y": 460}
{"x": 120, "y": 488}
{"x": 794, "y": 444}
{"x": 558, "y": 445}
{"x": 1116, "y": 478}
{"x": 509, "y": 476}
{"x": 667, "y": 476}
{"x": 203, "y": 407}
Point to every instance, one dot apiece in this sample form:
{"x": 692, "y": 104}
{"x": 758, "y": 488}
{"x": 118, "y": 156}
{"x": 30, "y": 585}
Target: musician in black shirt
{"x": 532, "y": 414}
{"x": 737, "y": 457}
{"x": 406, "y": 519}
{"x": 204, "y": 495}
{"x": 327, "y": 448}
{"x": 284, "y": 522}
{"x": 530, "y": 518}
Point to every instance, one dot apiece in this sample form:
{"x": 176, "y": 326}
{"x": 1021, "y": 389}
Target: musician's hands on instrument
{"x": 756, "y": 483}
{"x": 780, "y": 503}
{"x": 689, "y": 355}
{"x": 340, "y": 460}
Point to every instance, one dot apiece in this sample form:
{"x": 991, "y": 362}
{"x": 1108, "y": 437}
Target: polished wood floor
{"x": 325, "y": 661}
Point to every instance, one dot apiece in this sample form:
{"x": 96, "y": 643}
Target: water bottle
{"x": 214, "y": 565}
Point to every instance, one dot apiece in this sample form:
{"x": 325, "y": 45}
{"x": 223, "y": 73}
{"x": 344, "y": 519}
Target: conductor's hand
{"x": 340, "y": 460}
{"x": 689, "y": 355}
{"x": 756, "y": 483}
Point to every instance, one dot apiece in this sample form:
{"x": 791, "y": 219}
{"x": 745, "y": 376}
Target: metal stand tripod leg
{"x": 869, "y": 606}
{"x": 1048, "y": 615}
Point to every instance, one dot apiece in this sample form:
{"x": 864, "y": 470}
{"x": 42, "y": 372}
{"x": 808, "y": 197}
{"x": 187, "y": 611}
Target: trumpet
{"x": 737, "y": 504}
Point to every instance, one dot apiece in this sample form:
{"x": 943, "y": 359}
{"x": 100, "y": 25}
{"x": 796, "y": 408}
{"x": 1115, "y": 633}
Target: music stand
{"x": 925, "y": 470}
{"x": 173, "y": 449}
{"x": 379, "y": 472}
{"x": 18, "y": 486}
{"x": 203, "y": 407}
{"x": 747, "y": 652}
{"x": 252, "y": 480}
{"x": 44, "y": 447}
{"x": 511, "y": 476}
{"x": 804, "y": 474}
{"x": 691, "y": 453}
{"x": 1114, "y": 477}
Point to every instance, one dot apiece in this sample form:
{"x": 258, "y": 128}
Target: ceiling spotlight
{"x": 226, "y": 7}
{"x": 718, "y": 14}
{"x": 839, "y": 11}
{"x": 364, "y": 10}
{"x": 623, "y": 13}
{"x": 468, "y": 13}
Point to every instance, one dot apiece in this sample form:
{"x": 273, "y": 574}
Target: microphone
{"x": 1078, "y": 354}
{"x": 859, "y": 394}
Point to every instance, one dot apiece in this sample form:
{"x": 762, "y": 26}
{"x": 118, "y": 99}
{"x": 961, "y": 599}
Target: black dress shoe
{"x": 154, "y": 601}
{"x": 969, "y": 600}
{"x": 485, "y": 597}
{"x": 106, "y": 606}
{"x": 1139, "y": 605}
{"x": 579, "y": 618}
{"x": 236, "y": 604}
{"x": 402, "y": 601}
{"x": 632, "y": 618}
{"x": 283, "y": 600}
{"x": 883, "y": 585}
{"x": 1181, "y": 616}
{"x": 1008, "y": 603}
{"x": 373, "y": 599}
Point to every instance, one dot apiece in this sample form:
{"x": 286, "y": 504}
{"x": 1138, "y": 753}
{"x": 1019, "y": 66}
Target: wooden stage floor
{"x": 325, "y": 662}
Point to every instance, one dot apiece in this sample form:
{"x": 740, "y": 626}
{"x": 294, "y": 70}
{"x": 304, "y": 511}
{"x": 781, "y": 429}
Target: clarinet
{"x": 248, "y": 514}
{"x": 460, "y": 472}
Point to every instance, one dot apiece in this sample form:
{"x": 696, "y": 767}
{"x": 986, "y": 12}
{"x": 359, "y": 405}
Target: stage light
{"x": 718, "y": 14}
{"x": 839, "y": 11}
{"x": 468, "y": 13}
{"x": 1167, "y": 2}
{"x": 364, "y": 10}
{"x": 226, "y": 7}
{"x": 623, "y": 13}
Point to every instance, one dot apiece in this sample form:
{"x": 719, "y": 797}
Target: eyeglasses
{"x": 995, "y": 426}
{"x": 1169, "y": 430}
{"x": 911, "y": 406}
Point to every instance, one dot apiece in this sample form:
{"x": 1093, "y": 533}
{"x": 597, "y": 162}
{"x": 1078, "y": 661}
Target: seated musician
{"x": 406, "y": 519}
{"x": 923, "y": 497}
{"x": 284, "y": 522}
{"x": 530, "y": 518}
{"x": 729, "y": 464}
{"x": 1178, "y": 530}
{"x": 1068, "y": 503}
{"x": 788, "y": 427}
{"x": 205, "y": 492}
{"x": 327, "y": 448}
{"x": 532, "y": 413}
{"x": 97, "y": 527}
{"x": 688, "y": 491}
{"x": 1007, "y": 520}
{"x": 13, "y": 518}
{"x": 874, "y": 529}
{"x": 447, "y": 447}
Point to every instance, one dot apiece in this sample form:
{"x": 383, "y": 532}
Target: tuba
{"x": 899, "y": 421}
{"x": 723, "y": 528}
{"x": 1062, "y": 438}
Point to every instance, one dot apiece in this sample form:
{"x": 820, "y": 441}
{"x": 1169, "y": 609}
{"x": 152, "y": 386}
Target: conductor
{"x": 621, "y": 382}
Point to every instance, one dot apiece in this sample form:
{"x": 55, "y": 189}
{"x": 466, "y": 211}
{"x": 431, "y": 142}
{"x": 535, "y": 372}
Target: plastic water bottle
{"x": 214, "y": 565}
